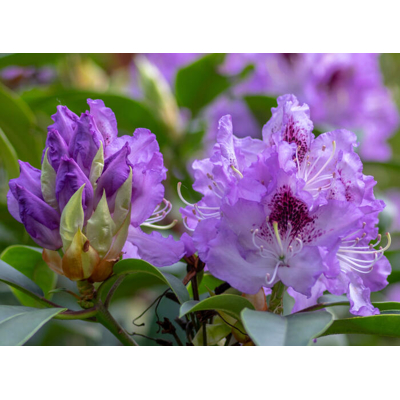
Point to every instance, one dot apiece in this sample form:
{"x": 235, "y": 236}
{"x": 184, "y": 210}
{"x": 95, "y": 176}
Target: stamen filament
{"x": 165, "y": 227}
{"x": 237, "y": 171}
{"x": 278, "y": 238}
{"x": 325, "y": 165}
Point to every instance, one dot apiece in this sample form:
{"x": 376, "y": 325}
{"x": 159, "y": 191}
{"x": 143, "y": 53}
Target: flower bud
{"x": 78, "y": 207}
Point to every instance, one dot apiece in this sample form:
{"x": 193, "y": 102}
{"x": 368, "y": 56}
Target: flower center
{"x": 281, "y": 246}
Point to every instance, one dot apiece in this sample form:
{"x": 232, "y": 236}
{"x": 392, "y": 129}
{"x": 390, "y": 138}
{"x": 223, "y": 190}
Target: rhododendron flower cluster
{"x": 93, "y": 192}
{"x": 291, "y": 208}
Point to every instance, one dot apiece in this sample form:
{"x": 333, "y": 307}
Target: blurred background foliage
{"x": 32, "y": 85}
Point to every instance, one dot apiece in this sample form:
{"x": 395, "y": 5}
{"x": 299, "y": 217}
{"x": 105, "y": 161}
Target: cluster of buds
{"x": 78, "y": 206}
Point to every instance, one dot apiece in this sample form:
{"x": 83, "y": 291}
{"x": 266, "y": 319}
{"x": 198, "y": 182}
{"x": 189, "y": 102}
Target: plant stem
{"x": 112, "y": 290}
{"x": 195, "y": 288}
{"x": 204, "y": 334}
{"x": 107, "y": 320}
{"x": 82, "y": 314}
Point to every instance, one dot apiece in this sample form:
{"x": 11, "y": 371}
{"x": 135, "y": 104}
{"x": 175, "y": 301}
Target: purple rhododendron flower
{"x": 290, "y": 208}
{"x": 94, "y": 188}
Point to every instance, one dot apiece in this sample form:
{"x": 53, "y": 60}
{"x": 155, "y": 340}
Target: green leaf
{"x": 28, "y": 261}
{"x": 29, "y": 59}
{"x": 229, "y": 303}
{"x": 267, "y": 329}
{"x": 19, "y": 324}
{"x": 260, "y": 106}
{"x": 199, "y": 83}
{"x": 381, "y": 325}
{"x": 18, "y": 280}
{"x": 18, "y": 123}
{"x": 132, "y": 266}
{"x": 215, "y": 333}
{"x": 8, "y": 157}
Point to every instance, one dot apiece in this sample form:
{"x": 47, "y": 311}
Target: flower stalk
{"x": 276, "y": 299}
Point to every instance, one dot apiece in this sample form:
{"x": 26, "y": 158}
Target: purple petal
{"x": 40, "y": 220}
{"x": 57, "y": 148}
{"x": 290, "y": 122}
{"x": 147, "y": 193}
{"x": 188, "y": 243}
{"x": 360, "y": 297}
{"x": 302, "y": 301}
{"x": 225, "y": 140}
{"x": 156, "y": 249}
{"x": 116, "y": 172}
{"x": 226, "y": 262}
{"x": 85, "y": 142}
{"x": 144, "y": 148}
{"x": 105, "y": 120}
{"x": 13, "y": 206}
{"x": 29, "y": 178}
{"x": 64, "y": 122}
{"x": 69, "y": 179}
{"x": 303, "y": 271}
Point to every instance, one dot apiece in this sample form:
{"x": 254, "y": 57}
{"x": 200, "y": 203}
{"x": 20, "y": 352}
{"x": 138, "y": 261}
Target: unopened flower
{"x": 93, "y": 187}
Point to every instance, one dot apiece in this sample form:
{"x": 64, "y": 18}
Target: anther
{"x": 323, "y": 148}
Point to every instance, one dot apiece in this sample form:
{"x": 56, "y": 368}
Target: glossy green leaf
{"x": 18, "y": 280}
{"x": 199, "y": 83}
{"x": 8, "y": 157}
{"x": 19, "y": 324}
{"x": 132, "y": 266}
{"x": 228, "y": 303}
{"x": 381, "y": 325}
{"x": 267, "y": 329}
{"x": 215, "y": 333}
{"x": 18, "y": 124}
{"x": 28, "y": 261}
{"x": 260, "y": 106}
{"x": 329, "y": 300}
